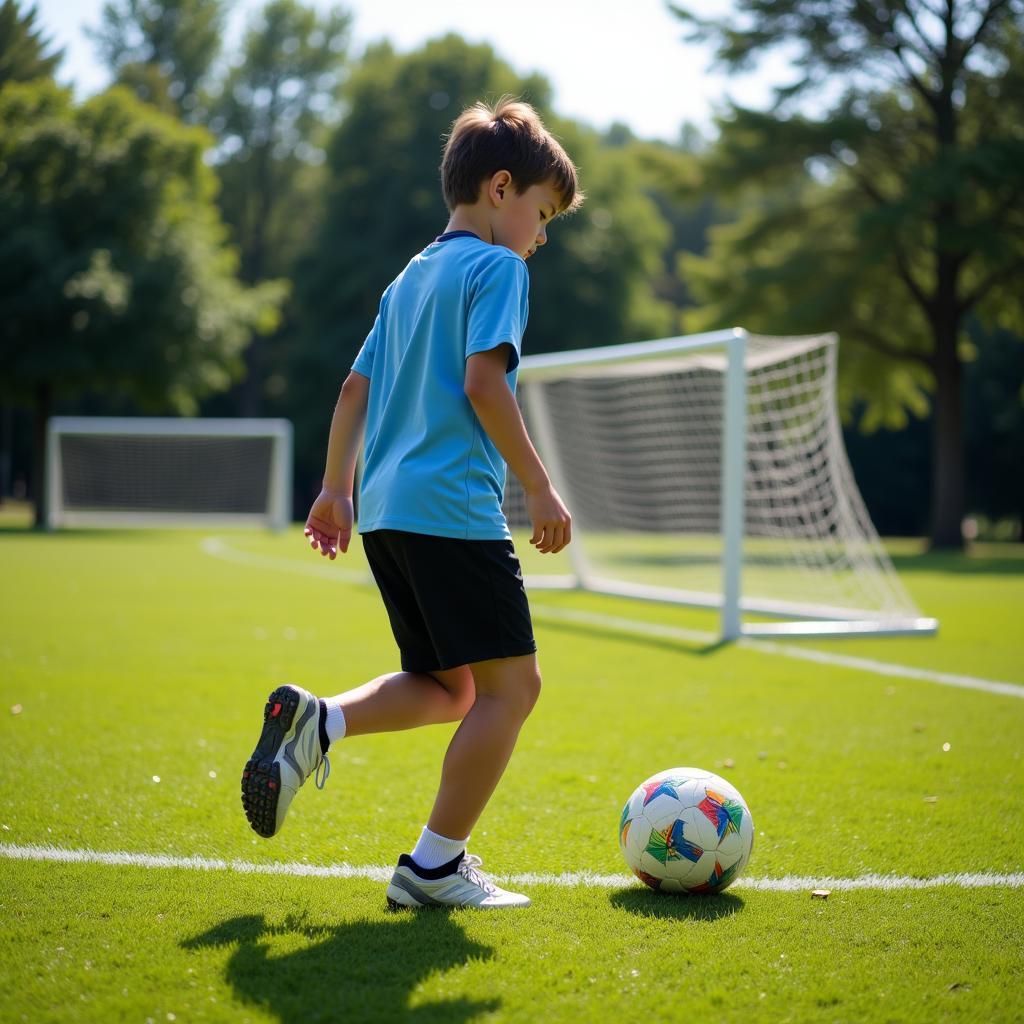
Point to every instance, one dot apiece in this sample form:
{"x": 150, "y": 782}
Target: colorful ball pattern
{"x": 686, "y": 830}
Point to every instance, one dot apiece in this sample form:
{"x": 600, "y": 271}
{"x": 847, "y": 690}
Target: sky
{"x": 608, "y": 60}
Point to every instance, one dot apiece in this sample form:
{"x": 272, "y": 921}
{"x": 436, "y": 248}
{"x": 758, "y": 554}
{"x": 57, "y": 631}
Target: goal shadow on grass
{"x": 676, "y": 906}
{"x": 355, "y": 971}
{"x": 695, "y": 648}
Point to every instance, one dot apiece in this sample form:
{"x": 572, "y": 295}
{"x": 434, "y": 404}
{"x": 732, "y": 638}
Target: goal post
{"x": 168, "y": 472}
{"x": 710, "y": 470}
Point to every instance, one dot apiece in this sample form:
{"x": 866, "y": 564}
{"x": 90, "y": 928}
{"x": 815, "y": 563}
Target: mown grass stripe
{"x": 572, "y": 879}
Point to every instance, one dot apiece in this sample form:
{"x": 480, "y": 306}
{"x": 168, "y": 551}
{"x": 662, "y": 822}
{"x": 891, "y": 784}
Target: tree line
{"x": 212, "y": 233}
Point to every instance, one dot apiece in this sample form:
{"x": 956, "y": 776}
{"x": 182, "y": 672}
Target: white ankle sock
{"x": 433, "y": 850}
{"x": 335, "y": 722}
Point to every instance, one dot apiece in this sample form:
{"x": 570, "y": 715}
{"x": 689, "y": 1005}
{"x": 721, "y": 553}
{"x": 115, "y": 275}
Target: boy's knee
{"x": 531, "y": 688}
{"x": 515, "y": 682}
{"x": 525, "y": 691}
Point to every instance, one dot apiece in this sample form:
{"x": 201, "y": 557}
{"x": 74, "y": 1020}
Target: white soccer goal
{"x": 710, "y": 470}
{"x": 128, "y": 471}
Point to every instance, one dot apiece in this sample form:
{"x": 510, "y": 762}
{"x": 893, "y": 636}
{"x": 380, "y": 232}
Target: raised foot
{"x": 286, "y": 742}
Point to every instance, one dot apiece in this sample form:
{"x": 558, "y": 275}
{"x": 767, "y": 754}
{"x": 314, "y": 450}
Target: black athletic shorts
{"x": 451, "y": 602}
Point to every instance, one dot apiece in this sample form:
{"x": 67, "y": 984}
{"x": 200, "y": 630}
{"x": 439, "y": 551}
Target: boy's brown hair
{"x": 509, "y": 136}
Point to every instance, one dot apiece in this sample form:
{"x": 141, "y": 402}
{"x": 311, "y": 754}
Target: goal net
{"x": 128, "y": 471}
{"x": 711, "y": 470}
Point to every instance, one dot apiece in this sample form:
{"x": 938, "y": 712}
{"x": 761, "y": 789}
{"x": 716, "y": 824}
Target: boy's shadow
{"x": 358, "y": 971}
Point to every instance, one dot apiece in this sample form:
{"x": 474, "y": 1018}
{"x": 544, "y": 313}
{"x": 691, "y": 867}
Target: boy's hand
{"x": 329, "y": 524}
{"x": 552, "y": 524}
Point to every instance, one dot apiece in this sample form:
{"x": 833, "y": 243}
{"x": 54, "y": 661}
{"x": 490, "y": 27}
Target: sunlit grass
{"x": 137, "y": 657}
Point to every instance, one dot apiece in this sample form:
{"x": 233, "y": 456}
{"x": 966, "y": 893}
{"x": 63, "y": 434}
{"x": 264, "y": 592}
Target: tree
{"x": 269, "y": 112}
{"x": 115, "y": 274}
{"x": 22, "y": 47}
{"x": 671, "y": 176}
{"x": 897, "y": 215}
{"x": 23, "y": 57}
{"x": 163, "y": 50}
{"x": 384, "y": 203}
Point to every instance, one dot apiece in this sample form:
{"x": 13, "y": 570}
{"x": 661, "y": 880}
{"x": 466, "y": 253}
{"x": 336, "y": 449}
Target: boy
{"x": 434, "y": 387}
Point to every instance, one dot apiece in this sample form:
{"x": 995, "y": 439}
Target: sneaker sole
{"x": 396, "y": 907}
{"x": 261, "y": 777}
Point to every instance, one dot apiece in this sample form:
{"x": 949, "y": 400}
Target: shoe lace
{"x": 469, "y": 868}
{"x": 321, "y": 779}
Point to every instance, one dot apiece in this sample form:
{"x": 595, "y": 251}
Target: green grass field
{"x": 127, "y": 658}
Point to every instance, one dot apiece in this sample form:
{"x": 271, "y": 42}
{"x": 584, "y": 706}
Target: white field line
{"x": 216, "y": 547}
{"x": 571, "y": 879}
{"x": 322, "y": 567}
{"x": 885, "y": 669}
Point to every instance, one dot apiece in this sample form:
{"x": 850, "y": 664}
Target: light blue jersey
{"x": 430, "y": 466}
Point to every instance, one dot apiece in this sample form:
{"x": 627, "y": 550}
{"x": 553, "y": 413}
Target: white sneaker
{"x": 455, "y": 884}
{"x": 287, "y": 753}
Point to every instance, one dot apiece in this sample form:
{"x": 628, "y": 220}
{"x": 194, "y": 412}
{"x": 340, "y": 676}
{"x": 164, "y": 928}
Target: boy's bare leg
{"x": 404, "y": 700}
{"x": 506, "y": 691}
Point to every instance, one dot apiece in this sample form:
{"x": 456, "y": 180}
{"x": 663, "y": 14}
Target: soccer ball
{"x": 686, "y": 830}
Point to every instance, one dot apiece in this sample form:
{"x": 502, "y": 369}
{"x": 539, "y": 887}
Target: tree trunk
{"x": 948, "y": 470}
{"x": 948, "y": 450}
{"x": 250, "y": 390}
{"x": 40, "y": 418}
{"x": 250, "y": 395}
{"x": 6, "y": 450}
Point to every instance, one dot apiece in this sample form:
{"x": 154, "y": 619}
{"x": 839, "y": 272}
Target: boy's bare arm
{"x": 496, "y": 407}
{"x": 329, "y": 525}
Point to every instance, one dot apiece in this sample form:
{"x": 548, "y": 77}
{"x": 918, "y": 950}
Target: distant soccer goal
{"x": 137, "y": 472}
{"x": 710, "y": 470}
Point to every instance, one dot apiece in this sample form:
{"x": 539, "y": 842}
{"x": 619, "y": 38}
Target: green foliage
{"x": 672, "y": 176}
{"x": 268, "y": 109}
{"x": 22, "y": 47}
{"x": 162, "y": 49}
{"x": 269, "y": 112}
{"x": 795, "y": 264}
{"x": 845, "y": 242}
{"x": 115, "y": 274}
{"x": 870, "y": 41}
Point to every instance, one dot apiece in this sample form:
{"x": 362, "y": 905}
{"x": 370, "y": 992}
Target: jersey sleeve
{"x": 498, "y": 308}
{"x": 363, "y": 363}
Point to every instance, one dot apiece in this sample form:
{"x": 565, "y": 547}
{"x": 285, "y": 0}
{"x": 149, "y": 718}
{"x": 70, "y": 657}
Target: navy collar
{"x": 457, "y": 234}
